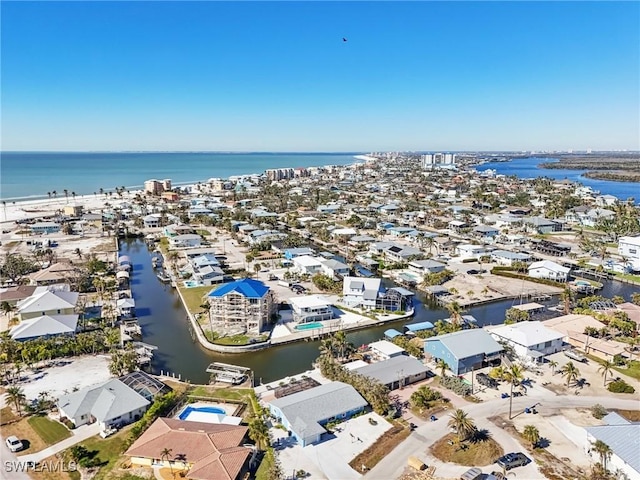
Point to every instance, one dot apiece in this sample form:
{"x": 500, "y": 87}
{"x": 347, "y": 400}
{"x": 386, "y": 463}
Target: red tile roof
{"x": 213, "y": 450}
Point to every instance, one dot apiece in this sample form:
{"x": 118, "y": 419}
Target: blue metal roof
{"x": 248, "y": 287}
{"x": 416, "y": 327}
{"x": 392, "y": 333}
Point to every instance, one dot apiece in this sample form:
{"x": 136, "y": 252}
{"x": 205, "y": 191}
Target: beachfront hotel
{"x": 243, "y": 306}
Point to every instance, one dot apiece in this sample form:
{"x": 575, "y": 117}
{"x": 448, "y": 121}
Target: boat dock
{"x": 225, "y": 372}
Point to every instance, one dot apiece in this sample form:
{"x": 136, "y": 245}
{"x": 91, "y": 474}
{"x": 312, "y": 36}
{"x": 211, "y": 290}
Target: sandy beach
{"x": 20, "y": 210}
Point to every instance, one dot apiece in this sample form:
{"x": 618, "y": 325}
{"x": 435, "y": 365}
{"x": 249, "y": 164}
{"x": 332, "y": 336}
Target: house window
{"x": 547, "y": 344}
{"x": 632, "y": 250}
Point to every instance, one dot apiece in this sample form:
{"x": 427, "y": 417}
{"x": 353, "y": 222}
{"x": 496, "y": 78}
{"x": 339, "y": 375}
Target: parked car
{"x": 14, "y": 443}
{"x": 513, "y": 460}
{"x": 575, "y": 356}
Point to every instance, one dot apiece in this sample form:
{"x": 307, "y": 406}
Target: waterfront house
{"x": 594, "y": 216}
{"x": 153, "y": 220}
{"x": 629, "y": 248}
{"x": 465, "y": 350}
{"x": 361, "y": 292}
{"x": 185, "y": 240}
{"x": 606, "y": 200}
{"x": 111, "y": 404}
{"x": 126, "y": 306}
{"x": 208, "y": 275}
{"x": 384, "y": 350}
{"x": 359, "y": 241}
{"x": 47, "y": 302}
{"x": 305, "y": 413}
{"x": 201, "y": 451}
{"x": 395, "y": 372}
{"x": 531, "y": 341}
{"x": 424, "y": 267}
{"x": 311, "y": 308}
{"x": 244, "y": 305}
{"x": 45, "y": 326}
{"x": 549, "y": 270}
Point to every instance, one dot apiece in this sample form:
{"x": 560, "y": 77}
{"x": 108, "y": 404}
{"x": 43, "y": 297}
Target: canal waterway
{"x": 528, "y": 168}
{"x": 164, "y": 324}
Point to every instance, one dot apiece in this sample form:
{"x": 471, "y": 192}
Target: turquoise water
{"x": 308, "y": 326}
{"x": 187, "y": 411}
{"x": 26, "y": 175}
{"x": 192, "y": 283}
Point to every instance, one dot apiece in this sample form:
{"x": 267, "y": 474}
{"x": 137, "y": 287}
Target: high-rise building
{"x": 435, "y": 160}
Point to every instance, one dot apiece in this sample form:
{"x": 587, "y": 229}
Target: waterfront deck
{"x": 227, "y": 373}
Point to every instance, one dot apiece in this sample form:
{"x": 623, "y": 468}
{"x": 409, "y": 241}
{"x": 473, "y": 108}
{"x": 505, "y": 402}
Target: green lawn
{"x": 628, "y": 276}
{"x": 633, "y": 370}
{"x": 49, "y": 431}
{"x": 206, "y": 233}
{"x": 224, "y": 393}
{"x": 108, "y": 450}
{"x": 194, "y": 297}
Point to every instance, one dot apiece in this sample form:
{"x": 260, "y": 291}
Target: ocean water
{"x": 30, "y": 175}
{"x": 528, "y": 168}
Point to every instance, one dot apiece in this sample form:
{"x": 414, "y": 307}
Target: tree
{"x": 553, "y": 364}
{"x": 571, "y": 372}
{"x": 603, "y": 450}
{"x": 443, "y": 366}
{"x": 455, "y": 312}
{"x": 15, "y": 267}
{"x": 17, "y": 396}
{"x": 166, "y": 454}
{"x": 605, "y": 369}
{"x": 463, "y": 425}
{"x": 515, "y": 315}
{"x": 531, "y": 434}
{"x": 513, "y": 375}
{"x": 635, "y": 298}
{"x": 259, "y": 433}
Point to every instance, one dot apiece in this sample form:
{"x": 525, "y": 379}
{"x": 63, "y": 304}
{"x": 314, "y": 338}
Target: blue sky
{"x": 276, "y": 76}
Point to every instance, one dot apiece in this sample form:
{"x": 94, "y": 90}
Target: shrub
{"x": 598, "y": 411}
{"x": 620, "y": 386}
{"x": 456, "y": 385}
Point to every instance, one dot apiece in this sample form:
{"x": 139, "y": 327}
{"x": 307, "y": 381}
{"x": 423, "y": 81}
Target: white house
{"x": 311, "y": 308}
{"x": 629, "y": 247}
{"x": 306, "y": 264}
{"x": 110, "y": 404}
{"x": 384, "y": 350}
{"x": 549, "y": 270}
{"x": 424, "y": 267}
{"x": 506, "y": 257}
{"x": 185, "y": 240}
{"x": 361, "y": 292}
{"x": 529, "y": 340}
{"x": 471, "y": 251}
{"x": 334, "y": 268}
{"x": 45, "y": 326}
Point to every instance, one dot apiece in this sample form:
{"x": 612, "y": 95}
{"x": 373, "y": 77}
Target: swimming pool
{"x": 309, "y": 326}
{"x": 582, "y": 283}
{"x": 197, "y": 413}
{"x": 192, "y": 283}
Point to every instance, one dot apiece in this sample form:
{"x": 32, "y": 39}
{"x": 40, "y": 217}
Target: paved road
{"x": 416, "y": 444}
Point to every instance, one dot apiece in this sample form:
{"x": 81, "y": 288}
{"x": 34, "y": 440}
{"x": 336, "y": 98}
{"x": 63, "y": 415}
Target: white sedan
{"x": 14, "y": 444}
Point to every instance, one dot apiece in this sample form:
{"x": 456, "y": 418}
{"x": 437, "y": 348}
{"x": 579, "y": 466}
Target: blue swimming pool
{"x": 190, "y": 410}
{"x": 309, "y": 326}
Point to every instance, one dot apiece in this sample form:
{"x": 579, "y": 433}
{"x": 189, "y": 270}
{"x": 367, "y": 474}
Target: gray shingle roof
{"x": 45, "y": 325}
{"x": 305, "y": 409}
{"x": 467, "y": 343}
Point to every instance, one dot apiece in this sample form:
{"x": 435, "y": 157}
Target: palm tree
{"x": 532, "y": 434}
{"x": 259, "y": 433}
{"x": 455, "y": 312}
{"x": 17, "y": 396}
{"x": 513, "y": 375}
{"x": 571, "y": 372}
{"x": 442, "y": 365}
{"x": 603, "y": 450}
{"x": 166, "y": 454}
{"x": 463, "y": 425}
{"x": 605, "y": 369}
{"x": 553, "y": 364}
